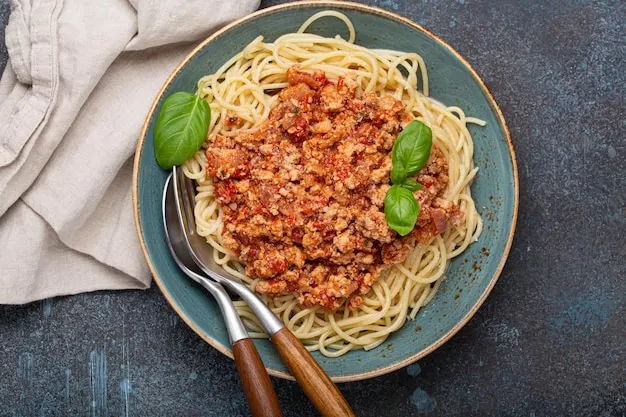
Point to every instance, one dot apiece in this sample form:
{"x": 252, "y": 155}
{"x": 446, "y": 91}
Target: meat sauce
{"x": 303, "y": 194}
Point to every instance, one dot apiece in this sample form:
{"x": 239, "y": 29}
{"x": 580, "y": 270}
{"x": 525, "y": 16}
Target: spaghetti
{"x": 243, "y": 88}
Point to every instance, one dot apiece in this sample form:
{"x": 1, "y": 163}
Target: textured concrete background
{"x": 549, "y": 341}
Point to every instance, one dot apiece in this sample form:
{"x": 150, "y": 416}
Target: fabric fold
{"x": 33, "y": 59}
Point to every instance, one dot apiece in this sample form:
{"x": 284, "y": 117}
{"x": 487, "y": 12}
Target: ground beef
{"x": 303, "y": 195}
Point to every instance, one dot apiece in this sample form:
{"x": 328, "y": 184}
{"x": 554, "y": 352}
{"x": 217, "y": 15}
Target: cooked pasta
{"x": 245, "y": 86}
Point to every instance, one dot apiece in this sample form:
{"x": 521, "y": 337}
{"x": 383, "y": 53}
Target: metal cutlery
{"x": 256, "y": 383}
{"x": 316, "y": 384}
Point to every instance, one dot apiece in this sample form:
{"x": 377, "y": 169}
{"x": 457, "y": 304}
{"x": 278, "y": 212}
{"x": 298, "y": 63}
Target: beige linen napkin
{"x": 80, "y": 80}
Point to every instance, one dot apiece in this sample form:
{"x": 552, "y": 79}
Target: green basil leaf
{"x": 398, "y": 174}
{"x": 180, "y": 129}
{"x": 401, "y": 209}
{"x": 411, "y": 185}
{"x": 412, "y": 147}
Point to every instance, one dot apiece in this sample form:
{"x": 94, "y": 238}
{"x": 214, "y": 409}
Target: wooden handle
{"x": 256, "y": 382}
{"x": 316, "y": 384}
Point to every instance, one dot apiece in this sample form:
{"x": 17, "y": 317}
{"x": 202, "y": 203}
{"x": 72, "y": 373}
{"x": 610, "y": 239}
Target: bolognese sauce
{"x": 302, "y": 195}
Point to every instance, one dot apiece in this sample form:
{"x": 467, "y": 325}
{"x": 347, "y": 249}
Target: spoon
{"x": 256, "y": 383}
{"x": 315, "y": 383}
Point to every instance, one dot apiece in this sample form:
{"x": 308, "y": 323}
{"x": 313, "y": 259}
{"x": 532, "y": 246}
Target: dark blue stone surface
{"x": 549, "y": 341}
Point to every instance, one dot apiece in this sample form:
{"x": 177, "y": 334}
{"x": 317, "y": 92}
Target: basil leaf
{"x": 180, "y": 129}
{"x": 401, "y": 209}
{"x": 398, "y": 174}
{"x": 411, "y": 149}
{"x": 411, "y": 185}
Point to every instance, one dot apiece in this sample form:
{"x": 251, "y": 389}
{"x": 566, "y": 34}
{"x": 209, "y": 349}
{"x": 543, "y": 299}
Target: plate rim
{"x": 336, "y": 4}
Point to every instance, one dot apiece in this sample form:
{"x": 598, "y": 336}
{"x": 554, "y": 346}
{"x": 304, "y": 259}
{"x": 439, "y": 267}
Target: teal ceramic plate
{"x": 470, "y": 277}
